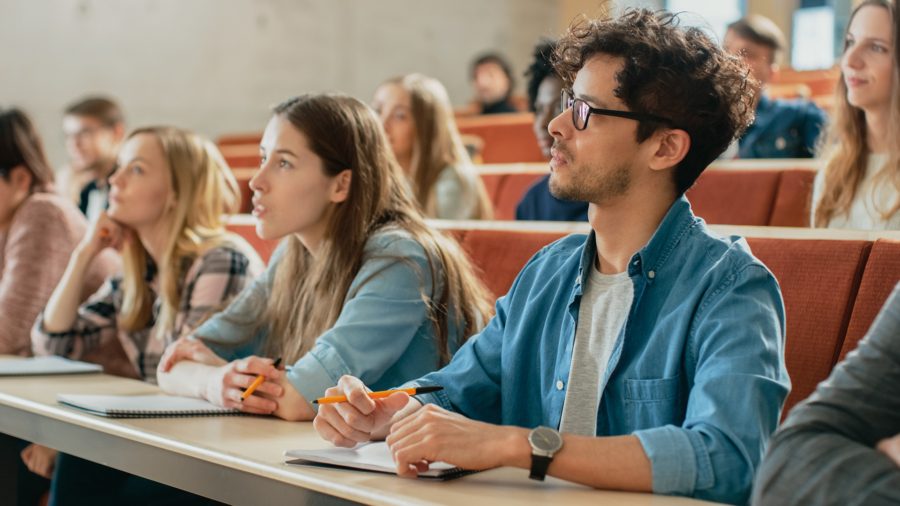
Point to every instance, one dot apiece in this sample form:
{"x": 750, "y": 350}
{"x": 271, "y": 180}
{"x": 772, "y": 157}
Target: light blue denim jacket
{"x": 697, "y": 372}
{"x": 382, "y": 336}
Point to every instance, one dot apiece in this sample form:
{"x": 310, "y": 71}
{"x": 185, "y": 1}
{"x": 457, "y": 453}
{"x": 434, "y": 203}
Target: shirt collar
{"x": 650, "y": 259}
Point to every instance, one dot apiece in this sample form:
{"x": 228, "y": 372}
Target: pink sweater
{"x": 34, "y": 253}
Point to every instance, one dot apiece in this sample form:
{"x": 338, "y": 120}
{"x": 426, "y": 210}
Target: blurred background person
{"x": 859, "y": 187}
{"x": 782, "y": 128}
{"x": 418, "y": 119}
{"x": 38, "y": 231}
{"x": 94, "y": 129}
{"x": 544, "y": 89}
{"x": 492, "y": 78}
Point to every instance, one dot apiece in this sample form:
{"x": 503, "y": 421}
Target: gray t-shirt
{"x": 605, "y": 304}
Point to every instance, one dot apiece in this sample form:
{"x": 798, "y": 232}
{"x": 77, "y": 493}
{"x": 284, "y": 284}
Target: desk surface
{"x": 253, "y": 447}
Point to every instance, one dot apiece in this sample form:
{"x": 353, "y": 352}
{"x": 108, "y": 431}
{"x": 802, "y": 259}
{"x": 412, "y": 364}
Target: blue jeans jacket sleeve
{"x": 739, "y": 389}
{"x": 385, "y": 310}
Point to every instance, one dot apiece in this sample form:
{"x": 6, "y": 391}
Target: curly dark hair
{"x": 540, "y": 69}
{"x": 672, "y": 72}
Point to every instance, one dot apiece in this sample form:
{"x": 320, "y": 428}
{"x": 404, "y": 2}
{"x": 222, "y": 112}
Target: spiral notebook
{"x": 143, "y": 406}
{"x": 373, "y": 457}
{"x": 45, "y": 366}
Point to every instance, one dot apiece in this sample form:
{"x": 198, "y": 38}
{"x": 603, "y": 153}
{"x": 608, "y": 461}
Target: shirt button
{"x": 651, "y": 274}
{"x": 559, "y": 385}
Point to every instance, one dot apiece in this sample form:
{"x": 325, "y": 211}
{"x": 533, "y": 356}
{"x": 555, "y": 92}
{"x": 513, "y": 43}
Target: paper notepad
{"x": 45, "y": 366}
{"x": 143, "y": 406}
{"x": 367, "y": 457}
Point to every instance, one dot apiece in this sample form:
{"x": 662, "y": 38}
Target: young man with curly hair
{"x": 652, "y": 344}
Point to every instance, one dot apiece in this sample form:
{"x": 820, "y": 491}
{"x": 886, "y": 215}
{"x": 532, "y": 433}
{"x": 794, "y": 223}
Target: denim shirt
{"x": 783, "y": 129}
{"x": 383, "y": 335}
{"x": 697, "y": 372}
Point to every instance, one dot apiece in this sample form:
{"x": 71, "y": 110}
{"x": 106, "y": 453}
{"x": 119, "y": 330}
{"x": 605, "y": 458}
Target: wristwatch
{"x": 544, "y": 443}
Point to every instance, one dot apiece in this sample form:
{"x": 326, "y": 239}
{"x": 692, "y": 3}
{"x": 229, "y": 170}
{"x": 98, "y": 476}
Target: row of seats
{"x": 753, "y": 197}
{"x": 833, "y": 286}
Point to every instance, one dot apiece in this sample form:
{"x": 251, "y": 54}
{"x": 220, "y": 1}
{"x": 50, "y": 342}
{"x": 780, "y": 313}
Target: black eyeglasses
{"x": 581, "y": 112}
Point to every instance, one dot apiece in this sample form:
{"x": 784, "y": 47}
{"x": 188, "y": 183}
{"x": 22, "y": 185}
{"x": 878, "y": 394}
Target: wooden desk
{"x": 238, "y": 460}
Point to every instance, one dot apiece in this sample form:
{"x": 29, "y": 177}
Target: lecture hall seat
{"x": 881, "y": 275}
{"x": 819, "y": 280}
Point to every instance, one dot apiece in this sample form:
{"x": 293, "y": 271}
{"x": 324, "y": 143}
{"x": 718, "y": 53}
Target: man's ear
{"x": 673, "y": 146}
{"x": 20, "y": 179}
{"x": 341, "y": 189}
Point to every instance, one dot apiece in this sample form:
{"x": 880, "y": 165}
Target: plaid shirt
{"x": 211, "y": 280}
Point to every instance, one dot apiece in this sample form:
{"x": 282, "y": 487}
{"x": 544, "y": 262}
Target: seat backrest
{"x": 508, "y": 138}
{"x": 819, "y": 280}
{"x": 501, "y": 254}
{"x": 793, "y": 200}
{"x": 881, "y": 275}
{"x": 735, "y": 197}
{"x": 510, "y": 192}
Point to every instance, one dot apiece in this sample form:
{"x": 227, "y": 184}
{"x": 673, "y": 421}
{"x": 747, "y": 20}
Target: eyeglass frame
{"x": 566, "y": 95}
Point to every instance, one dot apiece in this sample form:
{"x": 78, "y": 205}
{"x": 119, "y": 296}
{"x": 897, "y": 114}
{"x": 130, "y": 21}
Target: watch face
{"x": 545, "y": 439}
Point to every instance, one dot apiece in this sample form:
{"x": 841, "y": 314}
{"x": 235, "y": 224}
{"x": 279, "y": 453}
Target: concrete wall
{"x": 216, "y": 65}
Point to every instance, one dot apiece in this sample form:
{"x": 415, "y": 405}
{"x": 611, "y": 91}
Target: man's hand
{"x": 348, "y": 423}
{"x": 891, "y": 448}
{"x": 40, "y": 460}
{"x": 434, "y": 434}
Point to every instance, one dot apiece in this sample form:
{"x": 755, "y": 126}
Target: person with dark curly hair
{"x": 645, "y": 356}
{"x": 544, "y": 87}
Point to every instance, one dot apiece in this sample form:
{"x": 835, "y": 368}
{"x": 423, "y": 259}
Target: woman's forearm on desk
{"x": 62, "y": 308}
{"x": 185, "y": 378}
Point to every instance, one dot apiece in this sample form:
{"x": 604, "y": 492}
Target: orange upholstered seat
{"x": 881, "y": 275}
{"x": 501, "y": 254}
{"x": 794, "y": 198}
{"x": 819, "y": 280}
{"x": 508, "y": 138}
{"x": 731, "y": 197}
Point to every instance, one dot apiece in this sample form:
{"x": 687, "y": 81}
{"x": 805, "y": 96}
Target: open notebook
{"x": 143, "y": 406}
{"x": 45, "y": 366}
{"x": 374, "y": 457}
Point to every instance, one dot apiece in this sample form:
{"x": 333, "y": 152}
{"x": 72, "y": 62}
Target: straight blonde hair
{"x": 845, "y": 146}
{"x": 205, "y": 190}
{"x": 309, "y": 292}
{"x": 438, "y": 146}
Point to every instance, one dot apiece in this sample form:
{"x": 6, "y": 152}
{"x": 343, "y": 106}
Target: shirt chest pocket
{"x": 654, "y": 402}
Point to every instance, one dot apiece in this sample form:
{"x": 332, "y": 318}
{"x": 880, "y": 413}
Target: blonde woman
{"x": 859, "y": 187}
{"x": 360, "y": 284}
{"x": 418, "y": 119}
{"x": 167, "y": 199}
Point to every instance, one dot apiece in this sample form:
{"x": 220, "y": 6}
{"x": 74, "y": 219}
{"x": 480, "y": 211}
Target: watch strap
{"x": 539, "y": 465}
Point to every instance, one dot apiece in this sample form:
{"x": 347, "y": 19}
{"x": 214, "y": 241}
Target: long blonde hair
{"x": 846, "y": 147}
{"x": 438, "y": 146}
{"x": 308, "y": 293}
{"x": 204, "y": 189}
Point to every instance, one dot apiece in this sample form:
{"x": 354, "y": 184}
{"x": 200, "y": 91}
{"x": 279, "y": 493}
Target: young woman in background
{"x": 418, "y": 119}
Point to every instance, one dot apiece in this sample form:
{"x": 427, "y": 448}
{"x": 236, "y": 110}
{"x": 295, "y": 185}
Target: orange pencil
{"x": 379, "y": 395}
{"x": 259, "y": 380}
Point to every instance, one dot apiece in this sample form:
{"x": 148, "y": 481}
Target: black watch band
{"x": 539, "y": 465}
